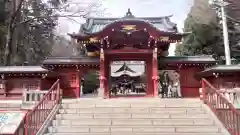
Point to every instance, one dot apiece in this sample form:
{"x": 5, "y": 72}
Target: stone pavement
{"x": 10, "y": 121}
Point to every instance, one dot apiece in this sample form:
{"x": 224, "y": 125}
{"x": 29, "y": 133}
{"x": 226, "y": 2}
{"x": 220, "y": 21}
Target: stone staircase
{"x": 140, "y": 116}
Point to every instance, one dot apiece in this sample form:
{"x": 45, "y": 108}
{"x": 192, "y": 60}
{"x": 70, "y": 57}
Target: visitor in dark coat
{"x": 165, "y": 83}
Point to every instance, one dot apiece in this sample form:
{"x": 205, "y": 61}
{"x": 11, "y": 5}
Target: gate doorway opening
{"x": 89, "y": 84}
{"x": 128, "y": 79}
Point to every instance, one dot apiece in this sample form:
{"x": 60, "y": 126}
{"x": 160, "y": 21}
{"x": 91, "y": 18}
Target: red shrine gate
{"x": 128, "y": 38}
{"x": 129, "y": 54}
{"x": 106, "y": 40}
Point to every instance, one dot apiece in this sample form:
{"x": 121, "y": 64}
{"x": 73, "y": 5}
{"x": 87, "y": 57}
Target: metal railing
{"x": 222, "y": 107}
{"x": 37, "y": 116}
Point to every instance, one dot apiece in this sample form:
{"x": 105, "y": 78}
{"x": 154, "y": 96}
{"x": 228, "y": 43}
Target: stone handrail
{"x": 33, "y": 96}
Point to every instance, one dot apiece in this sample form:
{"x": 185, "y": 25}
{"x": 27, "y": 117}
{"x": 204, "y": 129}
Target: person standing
{"x": 165, "y": 84}
{"x": 176, "y": 89}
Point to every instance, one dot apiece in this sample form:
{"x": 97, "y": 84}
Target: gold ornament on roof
{"x": 91, "y": 54}
{"x": 129, "y": 27}
{"x": 97, "y": 53}
{"x": 164, "y": 38}
{"x": 94, "y": 39}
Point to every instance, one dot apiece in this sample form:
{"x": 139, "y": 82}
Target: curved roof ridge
{"x": 111, "y": 18}
{"x": 124, "y": 67}
{"x": 97, "y": 24}
{"x": 169, "y": 26}
{"x": 99, "y": 19}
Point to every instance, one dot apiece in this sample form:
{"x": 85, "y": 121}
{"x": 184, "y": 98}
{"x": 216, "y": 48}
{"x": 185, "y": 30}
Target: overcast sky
{"x": 140, "y": 8}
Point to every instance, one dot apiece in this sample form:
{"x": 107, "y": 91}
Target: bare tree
{"x": 11, "y": 25}
{"x": 17, "y": 18}
{"x": 65, "y": 47}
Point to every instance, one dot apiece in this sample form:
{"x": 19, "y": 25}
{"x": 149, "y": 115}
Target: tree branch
{"x": 14, "y": 15}
{"x": 73, "y": 19}
{"x": 37, "y": 17}
{"x": 232, "y": 19}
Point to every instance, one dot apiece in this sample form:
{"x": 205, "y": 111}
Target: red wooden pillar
{"x": 102, "y": 74}
{"x": 107, "y": 76}
{"x": 78, "y": 84}
{"x": 149, "y": 77}
{"x": 155, "y": 72}
{"x": 42, "y": 82}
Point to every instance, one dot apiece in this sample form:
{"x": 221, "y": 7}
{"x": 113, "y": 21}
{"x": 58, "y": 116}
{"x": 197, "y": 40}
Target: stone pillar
{"x": 102, "y": 91}
{"x": 155, "y": 72}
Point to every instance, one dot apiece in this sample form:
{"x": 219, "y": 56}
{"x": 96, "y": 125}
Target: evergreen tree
{"x": 206, "y": 37}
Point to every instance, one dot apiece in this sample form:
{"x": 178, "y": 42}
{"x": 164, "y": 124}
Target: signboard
{"x": 10, "y": 121}
{"x": 128, "y": 62}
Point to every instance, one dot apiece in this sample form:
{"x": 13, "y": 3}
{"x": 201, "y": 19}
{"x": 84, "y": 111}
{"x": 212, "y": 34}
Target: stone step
{"x": 134, "y": 117}
{"x": 10, "y": 106}
{"x": 134, "y": 110}
{"x": 130, "y": 116}
{"x": 131, "y": 133}
{"x": 136, "y": 129}
{"x": 134, "y": 122}
{"x": 135, "y": 100}
{"x": 123, "y": 105}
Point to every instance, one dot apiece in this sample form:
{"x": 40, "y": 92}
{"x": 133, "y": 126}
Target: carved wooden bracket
{"x": 44, "y": 75}
{"x": 2, "y": 76}
{"x": 155, "y": 78}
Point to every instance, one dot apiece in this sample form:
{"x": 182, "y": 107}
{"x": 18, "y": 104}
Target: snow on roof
{"x": 4, "y": 69}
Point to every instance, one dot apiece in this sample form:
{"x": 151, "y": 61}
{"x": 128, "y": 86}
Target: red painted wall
{"x": 16, "y": 85}
{"x": 47, "y": 83}
{"x": 189, "y": 84}
{"x": 69, "y": 85}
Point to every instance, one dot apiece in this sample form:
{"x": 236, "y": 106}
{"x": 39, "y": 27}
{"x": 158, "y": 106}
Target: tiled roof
{"x": 187, "y": 59}
{"x": 94, "y": 25}
{"x": 137, "y": 67}
{"x": 16, "y": 69}
{"x": 125, "y": 68}
{"x": 95, "y": 60}
{"x": 224, "y": 68}
{"x": 219, "y": 69}
{"x": 71, "y": 60}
